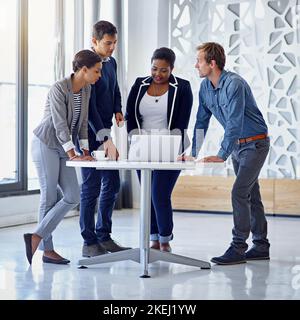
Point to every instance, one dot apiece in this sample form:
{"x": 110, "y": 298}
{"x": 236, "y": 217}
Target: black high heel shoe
{"x": 28, "y": 247}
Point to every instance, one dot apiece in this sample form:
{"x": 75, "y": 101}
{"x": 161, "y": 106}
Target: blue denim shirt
{"x": 233, "y": 105}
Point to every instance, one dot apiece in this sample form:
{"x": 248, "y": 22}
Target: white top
{"x": 154, "y": 111}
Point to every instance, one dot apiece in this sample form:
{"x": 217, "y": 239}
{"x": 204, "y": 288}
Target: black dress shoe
{"x": 254, "y": 254}
{"x": 55, "y": 261}
{"x": 27, "y": 239}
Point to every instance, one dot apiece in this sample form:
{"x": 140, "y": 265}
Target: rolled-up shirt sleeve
{"x": 68, "y": 146}
{"x": 202, "y": 123}
{"x": 235, "y": 118}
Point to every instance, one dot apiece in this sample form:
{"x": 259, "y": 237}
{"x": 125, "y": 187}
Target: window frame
{"x": 20, "y": 185}
{"x": 21, "y": 103}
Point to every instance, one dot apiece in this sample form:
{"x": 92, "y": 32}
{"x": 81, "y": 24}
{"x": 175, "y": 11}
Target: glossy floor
{"x": 196, "y": 235}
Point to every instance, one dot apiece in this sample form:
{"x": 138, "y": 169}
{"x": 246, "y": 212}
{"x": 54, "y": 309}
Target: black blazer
{"x": 180, "y": 101}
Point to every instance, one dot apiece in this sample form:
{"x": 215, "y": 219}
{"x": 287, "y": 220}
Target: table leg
{"x": 145, "y": 220}
{"x": 143, "y": 254}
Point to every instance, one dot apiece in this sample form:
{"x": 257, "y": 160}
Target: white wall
{"x": 142, "y": 41}
{"x": 262, "y": 43}
{"x": 21, "y": 210}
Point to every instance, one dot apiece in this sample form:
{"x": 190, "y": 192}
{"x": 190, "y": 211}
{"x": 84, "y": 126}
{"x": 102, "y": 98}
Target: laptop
{"x": 154, "y": 148}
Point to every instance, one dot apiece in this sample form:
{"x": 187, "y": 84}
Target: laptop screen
{"x": 154, "y": 148}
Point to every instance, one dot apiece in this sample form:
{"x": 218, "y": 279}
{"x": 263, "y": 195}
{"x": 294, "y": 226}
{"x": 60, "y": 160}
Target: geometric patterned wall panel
{"x": 262, "y": 43}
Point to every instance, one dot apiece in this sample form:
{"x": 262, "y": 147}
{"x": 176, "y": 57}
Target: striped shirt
{"x": 77, "y": 110}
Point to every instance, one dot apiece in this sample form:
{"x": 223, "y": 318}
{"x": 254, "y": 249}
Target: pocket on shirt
{"x": 223, "y": 105}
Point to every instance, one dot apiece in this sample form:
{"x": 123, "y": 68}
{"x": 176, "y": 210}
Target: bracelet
{"x": 73, "y": 157}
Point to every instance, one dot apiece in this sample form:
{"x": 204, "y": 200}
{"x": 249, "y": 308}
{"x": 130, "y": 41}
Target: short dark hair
{"x": 164, "y": 54}
{"x": 103, "y": 27}
{"x": 213, "y": 51}
{"x": 85, "y": 58}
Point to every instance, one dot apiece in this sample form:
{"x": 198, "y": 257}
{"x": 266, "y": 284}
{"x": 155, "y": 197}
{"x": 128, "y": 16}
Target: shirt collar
{"x": 105, "y": 59}
{"x": 220, "y": 82}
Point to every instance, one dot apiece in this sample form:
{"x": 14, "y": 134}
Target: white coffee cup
{"x": 99, "y": 155}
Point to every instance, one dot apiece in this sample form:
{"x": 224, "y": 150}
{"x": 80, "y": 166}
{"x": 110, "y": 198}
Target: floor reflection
{"x": 278, "y": 278}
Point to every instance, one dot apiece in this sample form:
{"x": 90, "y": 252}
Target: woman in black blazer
{"x": 160, "y": 102}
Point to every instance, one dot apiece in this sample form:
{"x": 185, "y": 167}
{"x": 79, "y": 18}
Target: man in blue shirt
{"x": 105, "y": 102}
{"x": 228, "y": 97}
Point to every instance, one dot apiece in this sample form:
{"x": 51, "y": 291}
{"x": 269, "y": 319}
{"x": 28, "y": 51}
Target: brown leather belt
{"x": 249, "y": 139}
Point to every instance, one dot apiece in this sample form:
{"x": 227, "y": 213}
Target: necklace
{"x": 156, "y": 96}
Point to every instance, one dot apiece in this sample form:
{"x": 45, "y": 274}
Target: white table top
{"x": 125, "y": 164}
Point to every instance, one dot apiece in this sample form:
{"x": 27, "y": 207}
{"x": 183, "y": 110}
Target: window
{"x": 69, "y": 35}
{"x": 41, "y": 51}
{"x": 9, "y": 171}
{"x": 40, "y": 38}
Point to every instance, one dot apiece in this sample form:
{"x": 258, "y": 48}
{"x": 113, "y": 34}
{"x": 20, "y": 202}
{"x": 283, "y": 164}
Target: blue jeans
{"x": 104, "y": 184}
{"x": 162, "y": 185}
{"x": 248, "y": 210}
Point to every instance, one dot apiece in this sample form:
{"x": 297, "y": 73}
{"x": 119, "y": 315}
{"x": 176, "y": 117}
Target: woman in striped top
{"x": 77, "y": 107}
{"x": 65, "y": 120}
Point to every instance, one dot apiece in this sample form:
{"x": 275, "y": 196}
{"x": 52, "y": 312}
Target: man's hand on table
{"x": 110, "y": 150}
{"x": 211, "y": 159}
{"x": 185, "y": 158}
